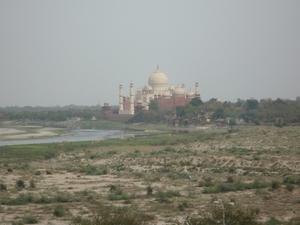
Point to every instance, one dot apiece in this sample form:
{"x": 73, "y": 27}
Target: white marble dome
{"x": 178, "y": 91}
{"x": 158, "y": 80}
{"x": 190, "y": 94}
{"x": 171, "y": 88}
{"x": 148, "y": 88}
{"x": 166, "y": 94}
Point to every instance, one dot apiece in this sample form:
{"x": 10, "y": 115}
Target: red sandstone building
{"x": 158, "y": 90}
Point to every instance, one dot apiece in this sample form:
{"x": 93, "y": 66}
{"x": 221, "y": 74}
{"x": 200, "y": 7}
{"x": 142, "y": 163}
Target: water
{"x": 74, "y": 136}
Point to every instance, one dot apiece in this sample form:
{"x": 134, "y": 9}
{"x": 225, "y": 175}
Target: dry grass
{"x": 75, "y": 179}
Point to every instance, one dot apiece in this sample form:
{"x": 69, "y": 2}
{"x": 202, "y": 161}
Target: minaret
{"x": 120, "y": 97}
{"x": 197, "y": 93}
{"x": 183, "y": 87}
{"x": 131, "y": 99}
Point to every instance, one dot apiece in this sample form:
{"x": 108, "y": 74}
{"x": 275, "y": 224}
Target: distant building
{"x": 107, "y": 110}
{"x": 158, "y": 90}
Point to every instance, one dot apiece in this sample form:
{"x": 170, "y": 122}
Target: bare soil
{"x": 86, "y": 177}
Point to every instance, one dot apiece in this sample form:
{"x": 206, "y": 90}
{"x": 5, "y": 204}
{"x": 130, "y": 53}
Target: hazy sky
{"x": 77, "y": 52}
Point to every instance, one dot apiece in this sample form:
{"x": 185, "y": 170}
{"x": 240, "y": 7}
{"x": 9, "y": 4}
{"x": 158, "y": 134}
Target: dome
{"x": 171, "y": 88}
{"x": 190, "y": 94}
{"x": 158, "y": 80}
{"x": 166, "y": 94}
{"x": 139, "y": 102}
{"x": 148, "y": 88}
{"x": 178, "y": 91}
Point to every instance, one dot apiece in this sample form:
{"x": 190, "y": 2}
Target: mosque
{"x": 158, "y": 90}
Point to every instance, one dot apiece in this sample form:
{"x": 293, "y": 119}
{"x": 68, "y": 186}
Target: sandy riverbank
{"x": 27, "y": 132}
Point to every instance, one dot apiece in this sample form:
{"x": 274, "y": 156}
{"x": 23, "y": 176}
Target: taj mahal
{"x": 158, "y": 90}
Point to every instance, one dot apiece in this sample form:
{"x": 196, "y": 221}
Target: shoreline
{"x": 27, "y": 132}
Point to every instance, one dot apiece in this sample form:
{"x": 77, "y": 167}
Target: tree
{"x": 219, "y": 113}
{"x": 232, "y": 122}
{"x": 256, "y": 121}
{"x": 153, "y": 105}
{"x": 180, "y": 111}
{"x": 196, "y": 102}
{"x": 239, "y": 102}
{"x": 251, "y": 104}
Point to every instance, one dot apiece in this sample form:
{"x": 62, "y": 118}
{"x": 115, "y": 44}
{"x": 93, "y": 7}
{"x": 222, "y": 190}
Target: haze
{"x": 77, "y": 52}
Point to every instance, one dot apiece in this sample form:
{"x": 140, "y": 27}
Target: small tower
{"x": 131, "y": 99}
{"x": 197, "y": 93}
{"x": 121, "y": 97}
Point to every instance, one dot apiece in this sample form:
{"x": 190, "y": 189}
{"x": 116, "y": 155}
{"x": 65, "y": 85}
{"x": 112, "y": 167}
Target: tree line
{"x": 279, "y": 111}
{"x": 49, "y": 113}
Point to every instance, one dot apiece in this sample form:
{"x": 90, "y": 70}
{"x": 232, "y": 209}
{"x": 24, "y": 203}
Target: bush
{"x": 256, "y": 121}
{"x": 149, "y": 190}
{"x": 18, "y": 222}
{"x": 232, "y": 122}
{"x": 234, "y": 215}
{"x": 20, "y": 184}
{"x": 117, "y": 194}
{"x": 169, "y": 149}
{"x": 290, "y": 187}
{"x": 3, "y": 187}
{"x": 164, "y": 196}
{"x": 230, "y": 179}
{"x": 272, "y": 221}
{"x": 236, "y": 186}
{"x": 59, "y": 211}
{"x": 275, "y": 184}
{"x": 32, "y": 183}
{"x": 107, "y": 215}
{"x": 30, "y": 219}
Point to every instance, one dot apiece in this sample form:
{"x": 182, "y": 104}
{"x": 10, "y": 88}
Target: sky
{"x": 78, "y": 52}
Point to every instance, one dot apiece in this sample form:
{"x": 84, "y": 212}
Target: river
{"x": 74, "y": 136}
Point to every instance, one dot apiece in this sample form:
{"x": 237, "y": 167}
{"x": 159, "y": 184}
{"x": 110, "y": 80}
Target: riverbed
{"x": 38, "y": 135}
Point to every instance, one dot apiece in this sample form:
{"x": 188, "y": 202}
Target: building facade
{"x": 158, "y": 90}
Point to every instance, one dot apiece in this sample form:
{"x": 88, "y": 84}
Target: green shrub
{"x": 59, "y": 211}
{"x": 294, "y": 221}
{"x": 93, "y": 170}
{"x": 149, "y": 190}
{"x": 20, "y": 184}
{"x": 272, "y": 221}
{"x": 169, "y": 149}
{"x": 109, "y": 215}
{"x": 49, "y": 155}
{"x": 18, "y": 222}
{"x": 236, "y": 186}
{"x": 116, "y": 193}
{"x": 3, "y": 187}
{"x": 164, "y": 196}
{"x": 275, "y": 184}
{"x": 37, "y": 173}
{"x": 292, "y": 180}
{"x": 30, "y": 219}
{"x": 290, "y": 187}
{"x": 65, "y": 197}
{"x": 230, "y": 179}
{"x": 32, "y": 183}
{"x": 256, "y": 121}
{"x": 233, "y": 215}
